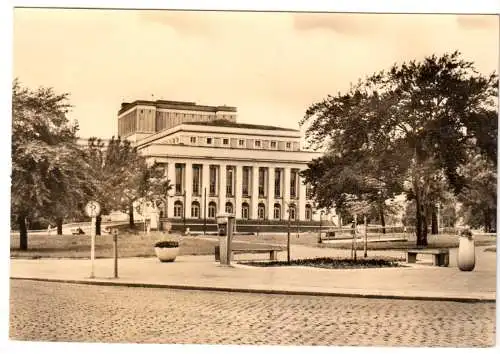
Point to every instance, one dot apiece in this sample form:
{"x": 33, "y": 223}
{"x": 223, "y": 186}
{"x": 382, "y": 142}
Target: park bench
{"x": 77, "y": 231}
{"x": 441, "y": 257}
{"x": 272, "y": 250}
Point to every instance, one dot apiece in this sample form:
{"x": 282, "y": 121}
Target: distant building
{"x": 249, "y": 170}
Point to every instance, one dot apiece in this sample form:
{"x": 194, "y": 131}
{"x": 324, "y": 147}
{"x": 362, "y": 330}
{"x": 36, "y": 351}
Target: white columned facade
{"x": 255, "y": 192}
{"x": 302, "y": 198}
{"x": 286, "y": 191}
{"x": 270, "y": 192}
{"x": 205, "y": 186}
{"x": 171, "y": 177}
{"x": 222, "y": 188}
{"x": 188, "y": 188}
{"x": 238, "y": 191}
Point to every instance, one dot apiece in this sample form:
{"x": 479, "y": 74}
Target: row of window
{"x": 245, "y": 210}
{"x": 262, "y": 180}
{"x": 257, "y": 144}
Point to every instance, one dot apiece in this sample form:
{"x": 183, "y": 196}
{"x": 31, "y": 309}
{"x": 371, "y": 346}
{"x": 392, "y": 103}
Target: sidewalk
{"x": 418, "y": 281}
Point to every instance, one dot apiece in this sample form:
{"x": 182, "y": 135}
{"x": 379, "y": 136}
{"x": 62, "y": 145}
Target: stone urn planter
{"x": 167, "y": 251}
{"x": 466, "y": 255}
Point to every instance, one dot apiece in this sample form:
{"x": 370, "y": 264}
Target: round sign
{"x": 92, "y": 209}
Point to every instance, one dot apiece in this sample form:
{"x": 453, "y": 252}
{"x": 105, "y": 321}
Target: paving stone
{"x": 47, "y": 311}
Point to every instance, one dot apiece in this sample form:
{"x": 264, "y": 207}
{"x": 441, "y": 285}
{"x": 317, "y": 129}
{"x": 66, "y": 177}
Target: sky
{"x": 271, "y": 66}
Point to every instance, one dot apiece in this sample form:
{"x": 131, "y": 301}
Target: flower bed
{"x": 330, "y": 263}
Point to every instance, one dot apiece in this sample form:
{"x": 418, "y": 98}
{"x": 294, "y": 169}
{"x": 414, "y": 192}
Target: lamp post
{"x": 320, "y": 225}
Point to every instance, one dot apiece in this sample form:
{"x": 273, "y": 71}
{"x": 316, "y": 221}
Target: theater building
{"x": 217, "y": 165}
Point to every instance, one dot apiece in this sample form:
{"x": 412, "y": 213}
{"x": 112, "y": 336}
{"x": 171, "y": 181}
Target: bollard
{"x": 115, "y": 252}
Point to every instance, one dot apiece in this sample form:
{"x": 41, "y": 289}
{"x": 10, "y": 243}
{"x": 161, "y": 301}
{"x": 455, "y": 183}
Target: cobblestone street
{"x": 47, "y": 311}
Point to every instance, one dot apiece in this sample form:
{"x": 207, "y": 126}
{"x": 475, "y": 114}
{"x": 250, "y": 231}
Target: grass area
{"x": 330, "y": 263}
{"x": 137, "y": 244}
{"x": 434, "y": 241}
{"x": 130, "y": 244}
{"x": 341, "y": 242}
{"x": 490, "y": 249}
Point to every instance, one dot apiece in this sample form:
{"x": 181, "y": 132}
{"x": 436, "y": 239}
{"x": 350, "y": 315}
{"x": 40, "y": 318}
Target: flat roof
{"x": 178, "y": 105}
{"x": 229, "y": 124}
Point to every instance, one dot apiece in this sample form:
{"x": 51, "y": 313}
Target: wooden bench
{"x": 273, "y": 251}
{"x": 441, "y": 257}
{"x": 77, "y": 231}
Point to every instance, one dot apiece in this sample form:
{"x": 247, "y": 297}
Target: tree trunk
{"x": 487, "y": 220}
{"x": 421, "y": 223}
{"x": 59, "y": 222}
{"x": 98, "y": 225}
{"x": 434, "y": 221}
{"x": 131, "y": 216}
{"x": 23, "y": 232}
{"x": 382, "y": 218}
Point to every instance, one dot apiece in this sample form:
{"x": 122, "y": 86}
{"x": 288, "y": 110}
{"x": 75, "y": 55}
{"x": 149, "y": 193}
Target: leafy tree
{"x": 479, "y": 197}
{"x": 50, "y": 175}
{"x": 121, "y": 174}
{"x": 158, "y": 185}
{"x": 420, "y": 116}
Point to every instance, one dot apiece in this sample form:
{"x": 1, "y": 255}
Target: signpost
{"x": 92, "y": 209}
{"x": 115, "y": 250}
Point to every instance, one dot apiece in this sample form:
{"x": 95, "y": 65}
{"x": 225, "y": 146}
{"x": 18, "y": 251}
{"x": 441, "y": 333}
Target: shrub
{"x": 167, "y": 244}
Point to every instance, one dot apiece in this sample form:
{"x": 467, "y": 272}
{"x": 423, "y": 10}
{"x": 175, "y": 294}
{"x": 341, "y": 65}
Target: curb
{"x": 260, "y": 291}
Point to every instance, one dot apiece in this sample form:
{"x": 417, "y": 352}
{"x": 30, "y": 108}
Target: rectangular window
{"x": 257, "y": 143}
{"x": 277, "y": 183}
{"x": 213, "y": 180}
{"x": 245, "y": 182}
{"x": 241, "y": 142}
{"x": 193, "y": 140}
{"x": 196, "y": 179}
{"x": 225, "y": 141}
{"x": 229, "y": 181}
{"x": 273, "y": 144}
{"x": 262, "y": 182}
{"x": 209, "y": 141}
{"x": 308, "y": 191}
{"x": 293, "y": 184}
{"x": 179, "y": 176}
{"x": 288, "y": 145}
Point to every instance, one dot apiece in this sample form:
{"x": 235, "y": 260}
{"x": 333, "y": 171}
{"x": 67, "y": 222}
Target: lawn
{"x": 434, "y": 241}
{"x": 343, "y": 242}
{"x": 129, "y": 245}
{"x": 140, "y": 245}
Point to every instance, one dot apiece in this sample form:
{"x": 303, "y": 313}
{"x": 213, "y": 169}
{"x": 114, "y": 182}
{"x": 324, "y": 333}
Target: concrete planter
{"x": 166, "y": 254}
{"x": 466, "y": 255}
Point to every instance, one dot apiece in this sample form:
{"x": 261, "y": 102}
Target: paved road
{"x": 69, "y": 312}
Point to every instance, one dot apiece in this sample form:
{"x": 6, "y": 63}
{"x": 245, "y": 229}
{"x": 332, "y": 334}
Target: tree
{"x": 49, "y": 171}
{"x": 121, "y": 174}
{"x": 421, "y": 116}
{"x": 157, "y": 185}
{"x": 479, "y": 197}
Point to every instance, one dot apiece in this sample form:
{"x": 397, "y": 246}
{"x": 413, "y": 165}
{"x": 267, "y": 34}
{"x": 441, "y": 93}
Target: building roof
{"x": 229, "y": 124}
{"x": 179, "y": 105}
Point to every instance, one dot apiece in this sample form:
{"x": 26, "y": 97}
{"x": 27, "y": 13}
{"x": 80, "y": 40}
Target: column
{"x": 302, "y": 198}
{"x": 255, "y": 192}
{"x": 171, "y": 177}
{"x": 286, "y": 191}
{"x": 205, "y": 185}
{"x": 222, "y": 189}
{"x": 188, "y": 188}
{"x": 238, "y": 191}
{"x": 270, "y": 193}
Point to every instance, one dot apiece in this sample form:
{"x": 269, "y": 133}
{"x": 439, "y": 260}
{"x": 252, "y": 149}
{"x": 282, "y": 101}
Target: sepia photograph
{"x": 253, "y": 178}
